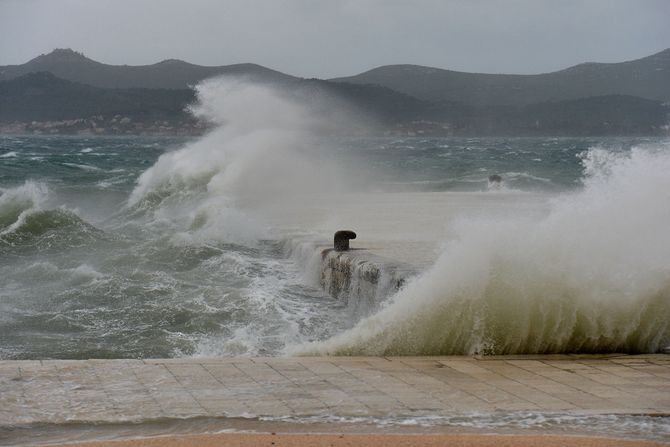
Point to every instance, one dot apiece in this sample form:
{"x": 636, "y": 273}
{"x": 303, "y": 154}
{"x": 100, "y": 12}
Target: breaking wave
{"x": 261, "y": 152}
{"x": 591, "y": 276}
{"x": 23, "y": 221}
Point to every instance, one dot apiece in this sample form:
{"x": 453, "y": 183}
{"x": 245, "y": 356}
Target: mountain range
{"x": 647, "y": 78}
{"x": 587, "y": 99}
{"x": 169, "y": 74}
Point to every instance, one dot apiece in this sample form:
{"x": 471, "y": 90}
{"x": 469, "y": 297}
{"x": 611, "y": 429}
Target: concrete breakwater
{"x": 360, "y": 278}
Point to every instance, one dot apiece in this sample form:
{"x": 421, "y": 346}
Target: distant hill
{"x": 45, "y": 103}
{"x": 629, "y": 98}
{"x": 596, "y": 115}
{"x": 379, "y": 104}
{"x": 170, "y": 74}
{"x": 42, "y": 103}
{"x": 43, "y": 96}
{"x": 648, "y": 78}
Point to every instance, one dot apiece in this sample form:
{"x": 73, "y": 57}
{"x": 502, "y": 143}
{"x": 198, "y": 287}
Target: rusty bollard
{"x": 341, "y": 239}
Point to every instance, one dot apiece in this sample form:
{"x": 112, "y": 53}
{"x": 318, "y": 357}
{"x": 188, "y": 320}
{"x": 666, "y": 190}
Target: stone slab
{"x": 34, "y": 392}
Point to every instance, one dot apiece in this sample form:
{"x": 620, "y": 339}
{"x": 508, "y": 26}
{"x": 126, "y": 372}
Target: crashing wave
{"x": 23, "y": 222}
{"x": 592, "y": 276}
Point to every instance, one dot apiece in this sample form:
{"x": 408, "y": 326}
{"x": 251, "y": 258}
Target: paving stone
{"x": 56, "y": 391}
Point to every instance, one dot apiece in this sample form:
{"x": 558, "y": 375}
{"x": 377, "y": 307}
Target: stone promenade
{"x": 33, "y": 392}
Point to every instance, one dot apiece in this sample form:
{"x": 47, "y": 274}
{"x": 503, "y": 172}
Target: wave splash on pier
{"x": 591, "y": 276}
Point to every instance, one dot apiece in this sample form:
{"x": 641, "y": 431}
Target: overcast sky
{"x": 335, "y": 38}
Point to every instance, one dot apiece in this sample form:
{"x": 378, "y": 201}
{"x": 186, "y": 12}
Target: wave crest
{"x": 15, "y": 201}
{"x": 258, "y": 156}
{"x": 24, "y": 223}
{"x": 591, "y": 276}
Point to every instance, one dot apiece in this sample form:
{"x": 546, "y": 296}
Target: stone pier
{"x": 361, "y": 278}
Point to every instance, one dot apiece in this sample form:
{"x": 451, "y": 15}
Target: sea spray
{"x": 213, "y": 193}
{"x": 261, "y": 153}
{"x": 19, "y": 200}
{"x": 159, "y": 278}
{"x": 592, "y": 276}
{"x": 194, "y": 263}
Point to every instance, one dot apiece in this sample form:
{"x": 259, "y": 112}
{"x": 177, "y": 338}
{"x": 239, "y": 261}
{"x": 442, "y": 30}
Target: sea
{"x": 142, "y": 247}
{"x": 136, "y": 247}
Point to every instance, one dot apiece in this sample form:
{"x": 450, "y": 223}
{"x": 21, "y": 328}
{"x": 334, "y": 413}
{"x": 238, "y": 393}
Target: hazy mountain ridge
{"x": 42, "y": 96}
{"x": 41, "y": 102}
{"x": 57, "y": 97}
{"x": 648, "y": 77}
{"x": 595, "y": 115}
{"x": 169, "y": 74}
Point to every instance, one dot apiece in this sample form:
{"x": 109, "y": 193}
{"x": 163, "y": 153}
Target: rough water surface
{"x": 136, "y": 247}
{"x": 189, "y": 271}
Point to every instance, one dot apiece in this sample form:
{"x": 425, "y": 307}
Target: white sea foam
{"x": 84, "y": 273}
{"x": 83, "y": 167}
{"x": 593, "y": 275}
{"x": 258, "y": 155}
{"x": 17, "y": 202}
{"x": 214, "y": 189}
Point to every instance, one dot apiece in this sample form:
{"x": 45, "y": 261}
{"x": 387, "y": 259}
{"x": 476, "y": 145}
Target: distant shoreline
{"x": 65, "y": 129}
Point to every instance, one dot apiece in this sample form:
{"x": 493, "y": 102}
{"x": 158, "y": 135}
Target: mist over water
{"x": 591, "y": 276}
{"x": 159, "y": 247}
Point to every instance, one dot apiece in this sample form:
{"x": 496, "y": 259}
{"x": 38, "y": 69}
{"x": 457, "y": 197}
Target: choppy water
{"x": 86, "y": 272}
{"x": 140, "y": 247}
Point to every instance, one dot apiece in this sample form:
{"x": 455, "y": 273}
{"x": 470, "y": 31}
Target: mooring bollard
{"x": 341, "y": 240}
